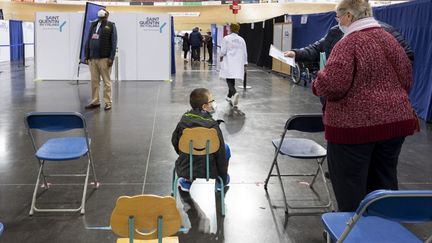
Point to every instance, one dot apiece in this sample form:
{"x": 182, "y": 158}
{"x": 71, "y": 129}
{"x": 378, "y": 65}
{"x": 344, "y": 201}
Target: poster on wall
{"x": 153, "y": 40}
{"x": 53, "y": 46}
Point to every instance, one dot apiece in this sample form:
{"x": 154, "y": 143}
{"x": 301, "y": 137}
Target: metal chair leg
{"x": 222, "y": 196}
{"x": 271, "y": 170}
{"x": 429, "y": 240}
{"x": 282, "y": 187}
{"x": 85, "y": 189}
{"x": 319, "y": 162}
{"x": 173, "y": 187}
{"x": 329, "y": 204}
{"x": 96, "y": 183}
{"x": 43, "y": 175}
{"x": 33, "y": 203}
{"x": 314, "y": 178}
{"x": 328, "y": 237}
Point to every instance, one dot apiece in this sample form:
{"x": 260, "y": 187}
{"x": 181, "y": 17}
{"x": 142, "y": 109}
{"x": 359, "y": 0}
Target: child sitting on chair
{"x": 203, "y": 105}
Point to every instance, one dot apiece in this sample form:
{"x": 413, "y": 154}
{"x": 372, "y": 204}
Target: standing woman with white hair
{"x": 368, "y": 114}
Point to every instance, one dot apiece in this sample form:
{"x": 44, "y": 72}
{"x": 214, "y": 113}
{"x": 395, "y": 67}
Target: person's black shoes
{"x": 92, "y": 106}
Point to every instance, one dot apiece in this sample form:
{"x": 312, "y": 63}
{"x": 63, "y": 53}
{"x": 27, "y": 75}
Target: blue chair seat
{"x": 300, "y": 148}
{"x": 367, "y": 229}
{"x": 58, "y": 149}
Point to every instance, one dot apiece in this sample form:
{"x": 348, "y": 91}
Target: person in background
{"x": 311, "y": 53}
{"x": 100, "y": 50}
{"x": 209, "y": 43}
{"x": 233, "y": 58}
{"x": 186, "y": 46}
{"x": 368, "y": 113}
{"x": 195, "y": 40}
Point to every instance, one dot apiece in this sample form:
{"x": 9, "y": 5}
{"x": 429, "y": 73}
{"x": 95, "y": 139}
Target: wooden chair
{"x": 199, "y": 141}
{"x": 147, "y": 218}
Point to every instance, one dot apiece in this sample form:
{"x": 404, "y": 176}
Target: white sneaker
{"x": 235, "y": 99}
{"x": 228, "y": 99}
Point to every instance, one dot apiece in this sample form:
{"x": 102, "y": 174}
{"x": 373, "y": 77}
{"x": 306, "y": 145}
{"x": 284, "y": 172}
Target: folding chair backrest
{"x": 146, "y": 209}
{"x": 55, "y": 121}
{"x": 305, "y": 123}
{"x": 199, "y": 136}
{"x": 409, "y": 206}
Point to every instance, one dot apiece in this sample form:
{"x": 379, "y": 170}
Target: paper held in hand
{"x": 278, "y": 54}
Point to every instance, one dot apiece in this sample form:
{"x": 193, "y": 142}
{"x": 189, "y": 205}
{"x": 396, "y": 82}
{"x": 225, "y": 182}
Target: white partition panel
{"x": 4, "y": 41}
{"x": 153, "y": 46}
{"x": 28, "y": 38}
{"x": 126, "y": 45}
{"x": 144, "y": 46}
{"x": 53, "y": 60}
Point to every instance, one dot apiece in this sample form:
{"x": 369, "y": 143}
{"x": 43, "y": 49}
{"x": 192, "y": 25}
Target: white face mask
{"x": 213, "y": 107}
{"x": 343, "y": 28}
{"x": 101, "y": 13}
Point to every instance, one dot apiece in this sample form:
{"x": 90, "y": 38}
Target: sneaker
{"x": 92, "y": 106}
{"x": 228, "y": 99}
{"x": 107, "y": 107}
{"x": 235, "y": 99}
{"x": 184, "y": 184}
{"x": 218, "y": 185}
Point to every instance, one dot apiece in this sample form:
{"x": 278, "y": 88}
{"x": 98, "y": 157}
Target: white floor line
{"x": 151, "y": 140}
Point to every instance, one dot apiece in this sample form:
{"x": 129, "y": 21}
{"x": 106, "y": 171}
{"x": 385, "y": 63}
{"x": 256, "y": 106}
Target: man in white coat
{"x": 233, "y": 58}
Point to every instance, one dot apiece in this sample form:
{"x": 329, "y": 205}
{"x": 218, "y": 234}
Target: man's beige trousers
{"x": 98, "y": 68}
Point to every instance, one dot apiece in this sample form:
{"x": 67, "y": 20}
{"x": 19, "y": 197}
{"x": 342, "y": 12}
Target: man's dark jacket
{"x": 195, "y": 38}
{"x": 218, "y": 162}
{"x": 311, "y": 53}
{"x": 106, "y": 48}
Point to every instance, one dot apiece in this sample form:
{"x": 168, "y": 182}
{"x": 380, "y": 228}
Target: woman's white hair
{"x": 358, "y": 8}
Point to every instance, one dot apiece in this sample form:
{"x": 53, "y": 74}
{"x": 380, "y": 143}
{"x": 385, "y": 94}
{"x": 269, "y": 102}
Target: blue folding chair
{"x": 301, "y": 148}
{"x": 378, "y": 218}
{"x": 59, "y": 149}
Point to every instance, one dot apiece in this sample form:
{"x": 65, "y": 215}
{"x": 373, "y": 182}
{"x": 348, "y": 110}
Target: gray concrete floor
{"x": 133, "y": 155}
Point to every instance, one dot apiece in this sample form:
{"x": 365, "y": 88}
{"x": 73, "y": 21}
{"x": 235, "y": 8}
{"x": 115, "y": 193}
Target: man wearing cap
{"x": 100, "y": 50}
{"x": 233, "y": 58}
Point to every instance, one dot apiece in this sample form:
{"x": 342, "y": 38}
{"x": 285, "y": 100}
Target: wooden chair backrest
{"x": 199, "y": 137}
{"x": 146, "y": 209}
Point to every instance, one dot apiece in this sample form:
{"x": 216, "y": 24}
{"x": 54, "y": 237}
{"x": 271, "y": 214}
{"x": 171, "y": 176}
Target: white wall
{"x": 4, "y": 41}
{"x": 143, "y": 50}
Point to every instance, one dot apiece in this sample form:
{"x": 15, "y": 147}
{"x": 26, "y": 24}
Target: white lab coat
{"x": 234, "y": 53}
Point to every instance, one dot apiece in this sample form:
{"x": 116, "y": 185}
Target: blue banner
{"x": 89, "y": 16}
{"x": 16, "y": 40}
{"x": 413, "y": 19}
{"x": 214, "y": 34}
